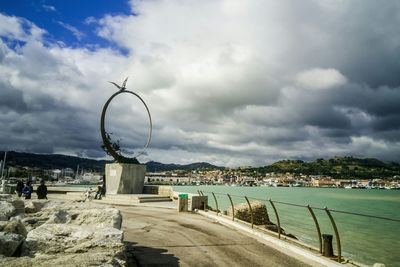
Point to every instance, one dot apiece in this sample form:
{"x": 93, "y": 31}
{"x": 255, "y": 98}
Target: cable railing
{"x": 315, "y": 227}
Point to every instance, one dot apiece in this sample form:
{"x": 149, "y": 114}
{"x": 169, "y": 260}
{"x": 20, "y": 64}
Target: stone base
{"x": 123, "y": 178}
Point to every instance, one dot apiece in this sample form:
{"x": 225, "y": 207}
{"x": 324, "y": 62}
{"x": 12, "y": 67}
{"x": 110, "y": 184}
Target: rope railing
{"x": 323, "y": 248}
{"x": 314, "y": 208}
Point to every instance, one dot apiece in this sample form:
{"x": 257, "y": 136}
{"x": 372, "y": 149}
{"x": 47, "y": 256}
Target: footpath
{"x": 156, "y": 234}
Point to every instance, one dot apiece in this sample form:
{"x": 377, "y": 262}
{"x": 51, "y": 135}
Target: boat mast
{"x": 77, "y": 172}
{"x": 4, "y": 164}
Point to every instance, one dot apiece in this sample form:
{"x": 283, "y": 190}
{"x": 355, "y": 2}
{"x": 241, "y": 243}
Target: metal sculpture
{"x": 113, "y": 148}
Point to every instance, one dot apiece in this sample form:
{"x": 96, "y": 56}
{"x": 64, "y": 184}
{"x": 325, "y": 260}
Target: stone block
{"x": 198, "y": 202}
{"x": 123, "y": 178}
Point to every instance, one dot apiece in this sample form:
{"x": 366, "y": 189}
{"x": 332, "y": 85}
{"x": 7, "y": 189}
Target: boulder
{"x": 65, "y": 234}
{"x": 9, "y": 243}
{"x": 68, "y": 238}
{"x": 19, "y": 205}
{"x": 34, "y": 206}
{"x": 2, "y": 224}
{"x": 19, "y": 217}
{"x": 15, "y": 227}
{"x": 5, "y": 196}
{"x": 260, "y": 213}
{"x": 60, "y": 216}
{"x": 3, "y": 217}
{"x": 7, "y": 209}
{"x": 108, "y": 217}
{"x": 104, "y": 259}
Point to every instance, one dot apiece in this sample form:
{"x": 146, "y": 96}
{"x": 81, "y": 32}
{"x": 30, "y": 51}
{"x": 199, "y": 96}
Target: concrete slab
{"x": 164, "y": 237}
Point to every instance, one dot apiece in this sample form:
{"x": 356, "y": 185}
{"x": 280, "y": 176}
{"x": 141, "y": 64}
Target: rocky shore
{"x": 56, "y": 233}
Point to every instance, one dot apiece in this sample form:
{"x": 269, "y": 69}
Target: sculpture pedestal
{"x": 123, "y": 178}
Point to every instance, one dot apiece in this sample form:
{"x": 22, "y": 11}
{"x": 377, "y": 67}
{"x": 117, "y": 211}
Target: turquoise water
{"x": 363, "y": 239}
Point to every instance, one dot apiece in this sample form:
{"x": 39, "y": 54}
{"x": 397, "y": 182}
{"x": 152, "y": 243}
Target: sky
{"x": 232, "y": 83}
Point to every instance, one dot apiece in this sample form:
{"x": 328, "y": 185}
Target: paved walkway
{"x": 164, "y": 237}
{"x": 158, "y": 235}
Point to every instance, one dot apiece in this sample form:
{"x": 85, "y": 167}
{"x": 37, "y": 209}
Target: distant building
{"x": 164, "y": 177}
{"x": 324, "y": 182}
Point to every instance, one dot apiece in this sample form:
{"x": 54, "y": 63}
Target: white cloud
{"x": 90, "y": 20}
{"x": 320, "y": 79}
{"x": 77, "y": 33}
{"x": 49, "y": 8}
{"x": 20, "y": 29}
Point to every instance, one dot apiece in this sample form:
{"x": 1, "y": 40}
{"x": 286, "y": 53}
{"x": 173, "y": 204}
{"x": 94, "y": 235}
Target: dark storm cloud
{"x": 11, "y": 99}
{"x": 268, "y": 80}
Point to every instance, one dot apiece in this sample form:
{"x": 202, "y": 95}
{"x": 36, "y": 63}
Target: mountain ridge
{"x": 336, "y": 167}
{"x": 59, "y": 161}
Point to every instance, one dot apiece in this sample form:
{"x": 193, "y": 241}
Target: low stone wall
{"x": 260, "y": 216}
{"x": 54, "y": 233}
{"x": 260, "y": 213}
{"x": 158, "y": 190}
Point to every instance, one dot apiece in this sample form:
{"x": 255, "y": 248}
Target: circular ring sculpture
{"x": 108, "y": 146}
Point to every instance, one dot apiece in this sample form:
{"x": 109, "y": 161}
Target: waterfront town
{"x": 226, "y": 176}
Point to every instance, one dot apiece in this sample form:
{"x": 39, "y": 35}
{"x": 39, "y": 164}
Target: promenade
{"x": 164, "y": 237}
{"x": 156, "y": 234}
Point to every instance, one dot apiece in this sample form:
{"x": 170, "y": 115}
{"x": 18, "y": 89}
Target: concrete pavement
{"x": 156, "y": 234}
{"x": 163, "y": 237}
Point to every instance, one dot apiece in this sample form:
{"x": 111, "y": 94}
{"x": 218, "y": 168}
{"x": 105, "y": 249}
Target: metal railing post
{"x": 233, "y": 208}
{"x": 339, "y": 248}
{"x": 198, "y": 192}
{"x": 216, "y": 202}
{"x": 317, "y": 226}
{"x": 251, "y": 212}
{"x": 277, "y": 218}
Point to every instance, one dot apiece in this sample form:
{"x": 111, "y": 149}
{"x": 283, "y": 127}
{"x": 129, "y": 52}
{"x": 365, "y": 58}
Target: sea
{"x": 367, "y": 240}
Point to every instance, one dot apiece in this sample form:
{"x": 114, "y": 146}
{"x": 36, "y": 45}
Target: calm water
{"x": 366, "y": 240}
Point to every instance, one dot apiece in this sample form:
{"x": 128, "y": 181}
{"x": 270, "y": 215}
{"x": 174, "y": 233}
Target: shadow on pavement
{"x": 147, "y": 256}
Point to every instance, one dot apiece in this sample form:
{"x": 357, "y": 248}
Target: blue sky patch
{"x": 66, "y": 21}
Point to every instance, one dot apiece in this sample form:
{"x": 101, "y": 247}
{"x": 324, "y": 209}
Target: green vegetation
{"x": 337, "y": 167}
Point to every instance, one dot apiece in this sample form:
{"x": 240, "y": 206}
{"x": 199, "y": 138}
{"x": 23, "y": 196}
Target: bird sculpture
{"x": 121, "y": 87}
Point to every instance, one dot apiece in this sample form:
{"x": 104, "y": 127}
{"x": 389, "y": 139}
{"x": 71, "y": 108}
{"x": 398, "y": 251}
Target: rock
{"x": 66, "y": 260}
{"x": 34, "y": 206}
{"x": 65, "y": 234}
{"x": 108, "y": 217}
{"x": 3, "y": 217}
{"x": 2, "y": 224}
{"x": 5, "y": 196}
{"x": 30, "y": 220}
{"x": 68, "y": 238}
{"x": 60, "y": 216}
{"x": 260, "y": 213}
{"x": 9, "y": 243}
{"x": 19, "y": 205}
{"x": 19, "y": 217}
{"x": 7, "y": 209}
{"x": 15, "y": 227}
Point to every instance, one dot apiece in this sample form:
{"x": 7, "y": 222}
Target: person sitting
{"x": 41, "y": 191}
{"x": 27, "y": 190}
{"x": 88, "y": 194}
{"x": 98, "y": 192}
{"x": 18, "y": 189}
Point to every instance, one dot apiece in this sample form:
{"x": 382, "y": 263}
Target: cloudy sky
{"x": 228, "y": 82}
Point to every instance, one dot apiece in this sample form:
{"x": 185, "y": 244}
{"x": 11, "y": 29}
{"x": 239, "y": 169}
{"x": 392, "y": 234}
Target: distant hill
{"x": 52, "y": 161}
{"x": 153, "y": 166}
{"x": 56, "y": 161}
{"x": 338, "y": 167}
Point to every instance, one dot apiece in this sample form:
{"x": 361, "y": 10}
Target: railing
{"x": 314, "y": 227}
